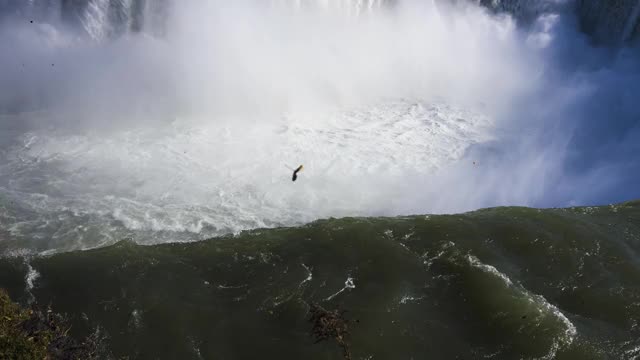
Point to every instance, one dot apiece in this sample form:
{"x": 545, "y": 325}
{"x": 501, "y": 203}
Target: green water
{"x": 502, "y": 283}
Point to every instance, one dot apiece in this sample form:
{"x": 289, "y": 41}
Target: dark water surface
{"x": 501, "y": 283}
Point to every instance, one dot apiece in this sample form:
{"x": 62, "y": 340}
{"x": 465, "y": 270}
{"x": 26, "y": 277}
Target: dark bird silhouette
{"x": 295, "y": 173}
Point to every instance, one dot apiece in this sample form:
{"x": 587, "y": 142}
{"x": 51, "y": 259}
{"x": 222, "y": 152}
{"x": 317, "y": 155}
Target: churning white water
{"x": 184, "y": 181}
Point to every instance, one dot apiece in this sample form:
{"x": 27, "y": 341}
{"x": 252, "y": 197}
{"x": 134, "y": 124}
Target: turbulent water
{"x": 163, "y": 121}
{"x": 131, "y": 131}
{"x": 170, "y": 200}
{"x": 499, "y": 283}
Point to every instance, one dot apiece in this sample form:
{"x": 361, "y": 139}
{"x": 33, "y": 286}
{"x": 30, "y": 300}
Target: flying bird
{"x": 295, "y": 173}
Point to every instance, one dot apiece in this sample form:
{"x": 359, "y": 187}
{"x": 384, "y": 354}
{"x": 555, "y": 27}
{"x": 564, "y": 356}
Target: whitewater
{"x": 202, "y": 181}
{"x": 167, "y": 121}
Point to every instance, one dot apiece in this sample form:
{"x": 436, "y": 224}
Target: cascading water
{"x": 525, "y": 10}
{"x": 348, "y": 7}
{"x": 96, "y": 21}
{"x": 161, "y": 121}
{"x": 99, "y": 19}
{"x": 612, "y": 22}
{"x": 189, "y": 133}
{"x": 632, "y": 25}
{"x": 102, "y": 19}
{"x": 608, "y": 22}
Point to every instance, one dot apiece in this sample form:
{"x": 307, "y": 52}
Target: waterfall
{"x": 611, "y": 22}
{"x": 99, "y": 19}
{"x": 95, "y": 21}
{"x": 351, "y": 8}
{"x": 607, "y": 22}
{"x": 632, "y": 24}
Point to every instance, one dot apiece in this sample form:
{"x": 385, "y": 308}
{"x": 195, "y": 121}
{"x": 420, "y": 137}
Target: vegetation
{"x": 34, "y": 333}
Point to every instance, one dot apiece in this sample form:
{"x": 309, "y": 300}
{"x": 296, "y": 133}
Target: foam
{"x": 570, "y": 331}
{"x": 209, "y": 180}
